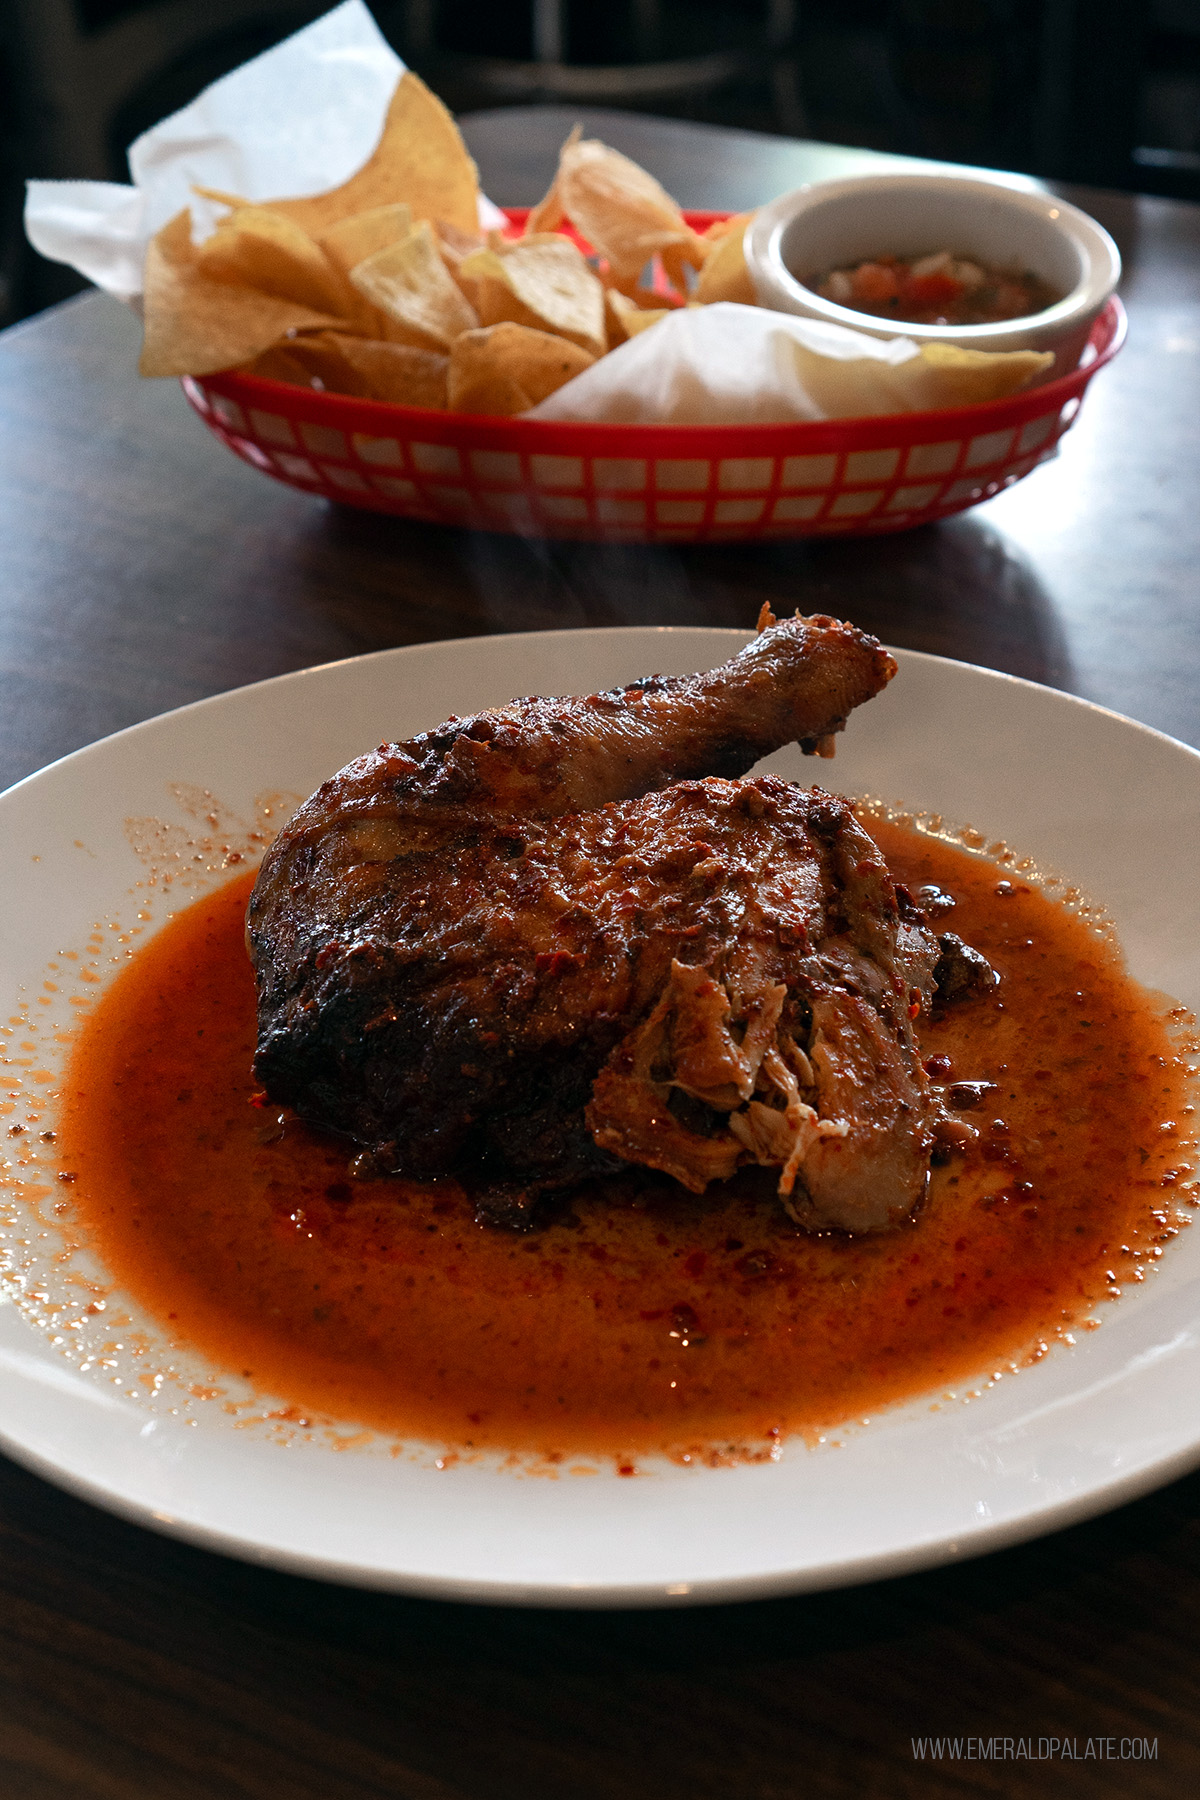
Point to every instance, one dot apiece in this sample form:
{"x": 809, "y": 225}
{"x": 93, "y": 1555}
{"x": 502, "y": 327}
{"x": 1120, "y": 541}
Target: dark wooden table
{"x": 142, "y": 566}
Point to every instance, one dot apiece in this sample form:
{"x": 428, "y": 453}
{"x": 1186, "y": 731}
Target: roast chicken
{"x": 567, "y": 936}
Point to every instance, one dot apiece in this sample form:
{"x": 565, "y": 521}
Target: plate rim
{"x": 855, "y": 1569}
{"x": 612, "y": 1596}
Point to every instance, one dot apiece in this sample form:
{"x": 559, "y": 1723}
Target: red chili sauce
{"x": 941, "y": 289}
{"x": 639, "y": 1317}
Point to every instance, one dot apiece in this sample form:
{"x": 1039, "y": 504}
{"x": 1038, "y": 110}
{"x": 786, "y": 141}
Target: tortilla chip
{"x": 398, "y": 372}
{"x": 502, "y": 245}
{"x": 455, "y": 247}
{"x": 724, "y": 275}
{"x": 678, "y": 256}
{"x": 195, "y": 325}
{"x": 621, "y": 210}
{"x": 544, "y": 283}
{"x": 282, "y": 362}
{"x": 641, "y": 321}
{"x": 722, "y": 227}
{"x": 461, "y": 243}
{"x": 626, "y": 316}
{"x": 476, "y": 275}
{"x": 548, "y": 214}
{"x": 947, "y": 375}
{"x": 507, "y": 368}
{"x": 420, "y": 159}
{"x": 257, "y": 248}
{"x": 412, "y": 287}
{"x": 615, "y": 305}
{"x": 364, "y": 367}
{"x": 941, "y": 375}
{"x": 649, "y": 299}
{"x": 353, "y": 239}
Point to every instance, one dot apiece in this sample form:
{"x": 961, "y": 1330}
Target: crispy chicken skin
{"x": 561, "y": 937}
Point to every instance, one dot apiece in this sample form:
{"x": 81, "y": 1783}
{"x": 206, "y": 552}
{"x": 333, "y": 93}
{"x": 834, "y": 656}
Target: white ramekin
{"x": 837, "y": 224}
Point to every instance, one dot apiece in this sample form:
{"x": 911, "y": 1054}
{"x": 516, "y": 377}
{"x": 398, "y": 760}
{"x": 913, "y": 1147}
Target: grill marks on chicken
{"x": 535, "y": 942}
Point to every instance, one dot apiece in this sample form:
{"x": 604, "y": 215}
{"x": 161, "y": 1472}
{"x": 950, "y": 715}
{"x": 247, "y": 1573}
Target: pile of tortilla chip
{"x": 385, "y": 288}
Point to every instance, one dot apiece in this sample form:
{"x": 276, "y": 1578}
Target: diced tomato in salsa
{"x": 936, "y": 290}
{"x": 931, "y": 290}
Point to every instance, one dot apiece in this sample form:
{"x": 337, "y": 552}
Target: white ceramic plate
{"x": 1110, "y": 804}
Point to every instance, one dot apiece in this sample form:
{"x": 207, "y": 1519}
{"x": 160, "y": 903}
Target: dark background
{"x": 1105, "y": 92}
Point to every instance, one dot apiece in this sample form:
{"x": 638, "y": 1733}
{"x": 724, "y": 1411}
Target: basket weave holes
{"x": 296, "y": 468}
{"x": 855, "y": 506}
{"x": 992, "y": 447}
{"x": 382, "y": 452}
{"x": 803, "y": 506}
{"x": 806, "y": 472}
{"x": 1034, "y": 435}
{"x": 738, "y": 512}
{"x": 679, "y": 512}
{"x": 620, "y": 512}
{"x": 737, "y": 473}
{"x": 273, "y": 428}
{"x": 567, "y": 509}
{"x": 558, "y": 472}
{"x": 349, "y": 479}
{"x": 871, "y": 465}
{"x": 932, "y": 459}
{"x": 908, "y": 499}
{"x": 682, "y": 475}
{"x": 229, "y": 412}
{"x": 436, "y": 459}
{"x": 619, "y": 474}
{"x": 323, "y": 440}
{"x": 496, "y": 465}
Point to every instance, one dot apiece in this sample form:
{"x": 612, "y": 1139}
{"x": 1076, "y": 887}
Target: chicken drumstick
{"x": 560, "y": 937}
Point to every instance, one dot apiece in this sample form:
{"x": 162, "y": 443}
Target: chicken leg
{"x": 561, "y": 936}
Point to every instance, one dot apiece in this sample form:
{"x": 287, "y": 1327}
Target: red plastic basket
{"x": 665, "y": 483}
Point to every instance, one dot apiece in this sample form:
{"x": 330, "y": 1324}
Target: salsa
{"x": 638, "y": 1317}
{"x": 942, "y": 289}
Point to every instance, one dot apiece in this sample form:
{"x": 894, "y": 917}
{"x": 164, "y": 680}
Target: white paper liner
{"x": 738, "y": 365}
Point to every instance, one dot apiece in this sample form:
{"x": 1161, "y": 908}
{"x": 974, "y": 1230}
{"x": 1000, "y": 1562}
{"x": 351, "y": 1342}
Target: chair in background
{"x": 659, "y": 52}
